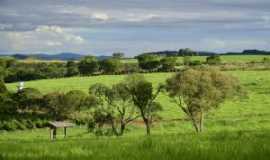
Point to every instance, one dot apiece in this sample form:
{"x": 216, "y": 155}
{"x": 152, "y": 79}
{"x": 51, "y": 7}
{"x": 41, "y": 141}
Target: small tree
{"x": 88, "y": 65}
{"x": 114, "y": 107}
{"x": 143, "y": 97}
{"x": 168, "y": 63}
{"x": 125, "y": 111}
{"x": 197, "y": 92}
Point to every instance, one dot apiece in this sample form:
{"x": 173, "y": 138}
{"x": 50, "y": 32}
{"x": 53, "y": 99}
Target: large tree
{"x": 197, "y": 92}
{"x": 143, "y": 97}
{"x": 88, "y": 65}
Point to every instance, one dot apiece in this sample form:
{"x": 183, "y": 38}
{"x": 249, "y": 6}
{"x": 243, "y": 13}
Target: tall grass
{"x": 215, "y": 146}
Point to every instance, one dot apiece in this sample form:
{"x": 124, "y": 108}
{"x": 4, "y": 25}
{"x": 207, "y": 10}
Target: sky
{"x": 101, "y": 27}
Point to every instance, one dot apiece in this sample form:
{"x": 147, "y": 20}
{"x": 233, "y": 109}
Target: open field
{"x": 237, "y": 123}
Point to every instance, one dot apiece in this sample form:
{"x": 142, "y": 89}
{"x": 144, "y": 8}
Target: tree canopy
{"x": 198, "y": 91}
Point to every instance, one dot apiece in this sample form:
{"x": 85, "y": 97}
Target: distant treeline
{"x": 12, "y": 70}
{"x": 180, "y": 52}
{"x": 189, "y": 52}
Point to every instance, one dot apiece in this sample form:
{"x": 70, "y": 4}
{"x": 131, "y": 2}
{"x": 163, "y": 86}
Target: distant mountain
{"x": 60, "y": 56}
{"x": 44, "y": 56}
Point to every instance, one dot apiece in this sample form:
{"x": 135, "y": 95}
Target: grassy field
{"x": 238, "y": 130}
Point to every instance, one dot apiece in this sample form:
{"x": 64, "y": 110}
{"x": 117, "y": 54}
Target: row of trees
{"x": 12, "y": 70}
{"x": 195, "y": 91}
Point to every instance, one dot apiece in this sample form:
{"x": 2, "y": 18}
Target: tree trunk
{"x": 195, "y": 125}
{"x": 122, "y": 129}
{"x": 147, "y": 125}
{"x": 201, "y": 122}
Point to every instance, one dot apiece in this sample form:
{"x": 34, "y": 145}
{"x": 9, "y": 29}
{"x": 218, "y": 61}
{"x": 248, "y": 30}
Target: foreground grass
{"x": 211, "y": 146}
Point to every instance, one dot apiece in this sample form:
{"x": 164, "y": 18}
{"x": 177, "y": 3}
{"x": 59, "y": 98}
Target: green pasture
{"x": 238, "y": 130}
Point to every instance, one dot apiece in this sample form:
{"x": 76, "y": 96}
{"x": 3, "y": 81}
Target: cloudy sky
{"x": 101, "y": 27}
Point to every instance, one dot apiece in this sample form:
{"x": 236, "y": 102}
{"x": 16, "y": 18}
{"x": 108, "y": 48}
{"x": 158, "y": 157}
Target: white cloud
{"x": 100, "y": 16}
{"x": 43, "y": 38}
{"x": 132, "y": 17}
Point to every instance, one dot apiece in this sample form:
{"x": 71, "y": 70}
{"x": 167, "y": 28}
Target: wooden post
{"x": 51, "y": 133}
{"x": 65, "y": 132}
{"x": 54, "y": 133}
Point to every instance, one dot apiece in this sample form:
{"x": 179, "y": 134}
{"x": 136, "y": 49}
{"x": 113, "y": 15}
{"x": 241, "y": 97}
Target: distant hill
{"x": 44, "y": 56}
{"x": 60, "y": 56}
{"x": 65, "y": 56}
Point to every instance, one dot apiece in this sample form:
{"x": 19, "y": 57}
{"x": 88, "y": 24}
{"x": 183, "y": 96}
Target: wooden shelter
{"x": 59, "y": 124}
